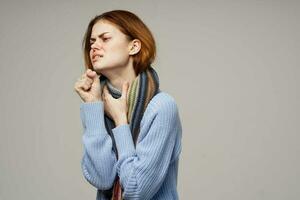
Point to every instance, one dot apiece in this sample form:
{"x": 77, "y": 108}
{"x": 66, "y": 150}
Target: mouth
{"x": 96, "y": 57}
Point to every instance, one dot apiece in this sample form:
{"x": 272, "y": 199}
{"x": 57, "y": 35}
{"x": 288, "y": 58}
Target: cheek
{"x": 121, "y": 59}
{"x": 118, "y": 52}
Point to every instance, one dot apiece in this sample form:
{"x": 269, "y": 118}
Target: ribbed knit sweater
{"x": 148, "y": 171}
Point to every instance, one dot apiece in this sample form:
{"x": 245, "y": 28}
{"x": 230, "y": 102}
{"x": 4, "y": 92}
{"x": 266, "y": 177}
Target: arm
{"x": 143, "y": 169}
{"x": 99, "y": 160}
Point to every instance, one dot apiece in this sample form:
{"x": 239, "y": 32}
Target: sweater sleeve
{"x": 99, "y": 160}
{"x": 142, "y": 169}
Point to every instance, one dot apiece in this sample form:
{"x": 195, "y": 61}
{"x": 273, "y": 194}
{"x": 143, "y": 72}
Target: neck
{"x": 118, "y": 76}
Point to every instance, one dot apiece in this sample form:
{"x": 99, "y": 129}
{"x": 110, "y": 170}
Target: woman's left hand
{"x": 116, "y": 109}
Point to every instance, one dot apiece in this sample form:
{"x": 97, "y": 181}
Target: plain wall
{"x": 232, "y": 66}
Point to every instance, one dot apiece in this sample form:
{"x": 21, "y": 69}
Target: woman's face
{"x": 109, "y": 47}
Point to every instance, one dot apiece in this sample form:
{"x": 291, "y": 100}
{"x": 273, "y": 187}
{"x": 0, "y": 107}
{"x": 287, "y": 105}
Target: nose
{"x": 96, "y": 45}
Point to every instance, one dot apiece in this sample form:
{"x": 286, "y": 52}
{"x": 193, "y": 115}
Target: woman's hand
{"x": 88, "y": 86}
{"x": 116, "y": 109}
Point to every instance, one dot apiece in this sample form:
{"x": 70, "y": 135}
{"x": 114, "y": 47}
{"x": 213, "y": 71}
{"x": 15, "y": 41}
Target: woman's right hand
{"x": 88, "y": 86}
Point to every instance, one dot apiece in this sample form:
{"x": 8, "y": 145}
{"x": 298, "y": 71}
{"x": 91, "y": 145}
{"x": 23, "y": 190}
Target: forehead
{"x": 101, "y": 27}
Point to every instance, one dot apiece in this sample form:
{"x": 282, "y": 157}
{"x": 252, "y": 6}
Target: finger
{"x": 91, "y": 74}
{"x": 89, "y": 81}
{"x": 84, "y": 75}
{"x": 105, "y": 92}
{"x": 85, "y": 86}
{"x": 79, "y": 91}
{"x": 84, "y": 78}
{"x": 81, "y": 85}
{"x": 103, "y": 96}
{"x": 125, "y": 89}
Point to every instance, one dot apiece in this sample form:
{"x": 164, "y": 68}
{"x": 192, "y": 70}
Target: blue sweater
{"x": 148, "y": 171}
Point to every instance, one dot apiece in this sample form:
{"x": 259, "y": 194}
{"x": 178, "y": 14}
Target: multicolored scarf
{"x": 142, "y": 89}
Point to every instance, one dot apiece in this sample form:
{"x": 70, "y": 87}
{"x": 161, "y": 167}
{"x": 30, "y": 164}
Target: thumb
{"x": 96, "y": 77}
{"x": 125, "y": 87}
{"x": 93, "y": 75}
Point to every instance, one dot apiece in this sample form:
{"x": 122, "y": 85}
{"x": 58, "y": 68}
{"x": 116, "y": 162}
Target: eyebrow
{"x": 98, "y": 36}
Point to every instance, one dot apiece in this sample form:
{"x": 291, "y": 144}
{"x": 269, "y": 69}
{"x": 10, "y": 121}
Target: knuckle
{"x": 75, "y": 87}
{"x": 89, "y": 81}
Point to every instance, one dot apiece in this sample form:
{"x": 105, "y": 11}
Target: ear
{"x": 134, "y": 46}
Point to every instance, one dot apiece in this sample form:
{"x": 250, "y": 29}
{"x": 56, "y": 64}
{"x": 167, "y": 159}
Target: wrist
{"x": 92, "y": 100}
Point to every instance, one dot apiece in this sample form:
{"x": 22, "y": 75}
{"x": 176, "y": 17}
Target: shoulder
{"x": 161, "y": 113}
{"x": 162, "y": 99}
{"x": 162, "y": 103}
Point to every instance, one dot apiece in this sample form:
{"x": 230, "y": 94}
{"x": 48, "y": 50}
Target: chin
{"x": 97, "y": 66}
{"x": 101, "y": 66}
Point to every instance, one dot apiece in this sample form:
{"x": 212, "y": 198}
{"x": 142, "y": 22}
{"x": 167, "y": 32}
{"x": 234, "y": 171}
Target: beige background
{"x": 232, "y": 67}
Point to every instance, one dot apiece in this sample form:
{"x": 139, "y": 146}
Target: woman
{"x": 132, "y": 129}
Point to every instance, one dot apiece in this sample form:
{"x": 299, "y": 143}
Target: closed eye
{"x": 93, "y": 40}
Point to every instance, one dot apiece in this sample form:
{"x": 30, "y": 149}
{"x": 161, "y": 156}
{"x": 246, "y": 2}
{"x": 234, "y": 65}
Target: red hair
{"x": 134, "y": 28}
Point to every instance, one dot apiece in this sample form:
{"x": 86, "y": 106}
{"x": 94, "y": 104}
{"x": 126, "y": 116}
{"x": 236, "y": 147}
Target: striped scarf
{"x": 142, "y": 89}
